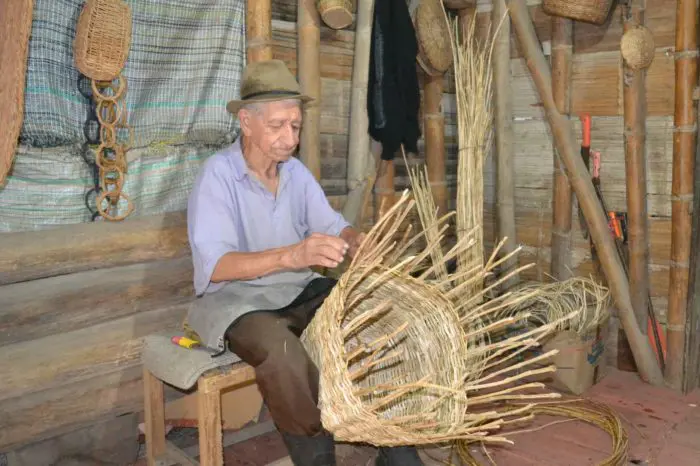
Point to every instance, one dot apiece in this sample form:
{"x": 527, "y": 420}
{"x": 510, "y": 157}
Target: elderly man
{"x": 258, "y": 221}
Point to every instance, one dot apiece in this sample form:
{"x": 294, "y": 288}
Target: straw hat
{"x": 267, "y": 81}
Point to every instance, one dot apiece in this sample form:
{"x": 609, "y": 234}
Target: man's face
{"x": 273, "y": 128}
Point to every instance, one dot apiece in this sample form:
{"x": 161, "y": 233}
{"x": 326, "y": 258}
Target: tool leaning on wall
{"x": 617, "y": 222}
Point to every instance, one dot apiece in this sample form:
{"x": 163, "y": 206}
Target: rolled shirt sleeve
{"x": 211, "y": 223}
{"x": 320, "y": 215}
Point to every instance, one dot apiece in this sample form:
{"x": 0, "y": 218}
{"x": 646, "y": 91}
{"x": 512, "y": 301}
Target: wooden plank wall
{"x": 73, "y": 317}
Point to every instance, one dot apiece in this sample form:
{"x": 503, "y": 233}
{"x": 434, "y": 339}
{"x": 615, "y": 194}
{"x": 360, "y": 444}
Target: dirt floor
{"x": 663, "y": 429}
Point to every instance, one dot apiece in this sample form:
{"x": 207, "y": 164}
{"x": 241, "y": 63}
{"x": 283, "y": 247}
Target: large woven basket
{"x": 102, "y": 39}
{"x": 412, "y": 395}
{"x": 433, "y": 35}
{"x": 589, "y": 11}
{"x": 336, "y": 14}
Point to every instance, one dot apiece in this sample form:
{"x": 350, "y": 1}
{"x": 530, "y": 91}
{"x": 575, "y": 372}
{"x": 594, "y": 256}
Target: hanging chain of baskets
{"x": 102, "y": 41}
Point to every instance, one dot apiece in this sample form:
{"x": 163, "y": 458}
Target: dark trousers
{"x": 286, "y": 376}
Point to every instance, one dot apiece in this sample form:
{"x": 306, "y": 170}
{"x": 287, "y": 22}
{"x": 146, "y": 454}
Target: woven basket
{"x": 337, "y": 14}
{"x": 102, "y": 39}
{"x": 637, "y": 47}
{"x": 16, "y": 20}
{"x": 395, "y": 402}
{"x": 589, "y": 11}
{"x": 433, "y": 35}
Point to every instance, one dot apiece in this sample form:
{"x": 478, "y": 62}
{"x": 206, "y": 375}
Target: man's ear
{"x": 244, "y": 117}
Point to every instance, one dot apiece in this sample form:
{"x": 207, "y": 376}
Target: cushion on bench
{"x": 177, "y": 366}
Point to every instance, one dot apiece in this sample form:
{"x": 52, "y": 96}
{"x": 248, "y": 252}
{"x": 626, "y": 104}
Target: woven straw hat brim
{"x": 235, "y": 105}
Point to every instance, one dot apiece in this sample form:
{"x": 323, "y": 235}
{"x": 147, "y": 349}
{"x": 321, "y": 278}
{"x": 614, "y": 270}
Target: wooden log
{"x": 57, "y": 360}
{"x": 88, "y": 246}
{"x": 361, "y": 163}
{"x": 562, "y": 199}
{"x": 308, "y": 71}
{"x": 684, "y": 146}
{"x": 583, "y": 187}
{"x": 51, "y": 306}
{"x": 434, "y": 135}
{"x": 503, "y": 129}
{"x": 258, "y": 30}
{"x": 635, "y": 164}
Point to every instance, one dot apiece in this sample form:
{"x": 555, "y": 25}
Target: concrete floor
{"x": 663, "y": 429}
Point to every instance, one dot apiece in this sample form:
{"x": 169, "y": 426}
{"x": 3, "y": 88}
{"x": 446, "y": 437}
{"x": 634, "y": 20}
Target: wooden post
{"x": 361, "y": 163}
{"x": 384, "y": 192}
{"x": 635, "y": 163}
{"x": 684, "y": 141}
{"x": 309, "y": 74}
{"x": 562, "y": 61}
{"x": 258, "y": 30}
{"x": 583, "y": 187}
{"x": 503, "y": 128}
{"x": 434, "y": 133}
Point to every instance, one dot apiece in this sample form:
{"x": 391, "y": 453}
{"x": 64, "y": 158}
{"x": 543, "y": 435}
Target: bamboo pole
{"x": 684, "y": 141}
{"x": 434, "y": 130}
{"x": 361, "y": 159}
{"x": 258, "y": 30}
{"x": 583, "y": 187}
{"x": 562, "y": 64}
{"x": 503, "y": 125}
{"x": 384, "y": 192}
{"x": 634, "y": 95}
{"x": 309, "y": 73}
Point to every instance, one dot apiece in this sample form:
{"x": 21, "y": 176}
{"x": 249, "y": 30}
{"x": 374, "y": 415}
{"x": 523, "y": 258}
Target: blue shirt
{"x": 229, "y": 209}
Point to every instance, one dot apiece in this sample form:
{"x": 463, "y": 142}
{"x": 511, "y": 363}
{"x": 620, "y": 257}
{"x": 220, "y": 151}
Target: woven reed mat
{"x": 16, "y": 21}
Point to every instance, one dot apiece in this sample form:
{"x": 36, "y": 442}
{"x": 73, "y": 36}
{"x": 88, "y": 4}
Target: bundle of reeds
{"x": 473, "y": 84}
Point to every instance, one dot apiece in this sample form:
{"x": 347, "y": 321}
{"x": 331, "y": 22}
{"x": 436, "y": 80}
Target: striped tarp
{"x": 48, "y": 187}
{"x": 185, "y": 63}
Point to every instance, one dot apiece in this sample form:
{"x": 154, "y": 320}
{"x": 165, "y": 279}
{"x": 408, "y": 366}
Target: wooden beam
{"x": 562, "y": 198}
{"x": 52, "y": 306}
{"x": 503, "y": 129}
{"x": 309, "y": 74}
{"x": 258, "y": 30}
{"x": 384, "y": 192}
{"x": 89, "y": 246}
{"x": 583, "y": 187}
{"x": 684, "y": 146}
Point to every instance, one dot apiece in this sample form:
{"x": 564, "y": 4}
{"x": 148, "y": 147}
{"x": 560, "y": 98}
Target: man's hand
{"x": 318, "y": 250}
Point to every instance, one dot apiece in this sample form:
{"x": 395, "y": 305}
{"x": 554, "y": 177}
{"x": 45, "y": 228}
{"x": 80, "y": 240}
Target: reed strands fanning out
{"x": 404, "y": 360}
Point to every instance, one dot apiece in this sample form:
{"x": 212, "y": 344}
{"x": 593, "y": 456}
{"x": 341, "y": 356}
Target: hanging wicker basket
{"x": 637, "y": 47}
{"x": 589, "y": 11}
{"x": 336, "y": 14}
{"x": 102, "y": 39}
{"x": 433, "y": 35}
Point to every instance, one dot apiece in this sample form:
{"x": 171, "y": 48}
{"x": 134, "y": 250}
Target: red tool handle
{"x": 586, "y": 128}
{"x": 596, "y": 164}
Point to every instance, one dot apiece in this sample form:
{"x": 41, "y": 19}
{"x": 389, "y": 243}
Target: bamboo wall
{"x": 74, "y": 314}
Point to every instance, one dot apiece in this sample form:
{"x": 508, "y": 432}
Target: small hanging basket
{"x": 336, "y": 14}
{"x": 589, "y": 11}
{"x": 433, "y": 35}
{"x": 637, "y": 47}
{"x": 102, "y": 39}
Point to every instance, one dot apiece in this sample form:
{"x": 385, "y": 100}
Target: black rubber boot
{"x": 318, "y": 450}
{"x": 398, "y": 456}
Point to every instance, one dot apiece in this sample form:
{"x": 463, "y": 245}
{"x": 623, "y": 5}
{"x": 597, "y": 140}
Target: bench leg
{"x": 154, "y": 406}
{"x": 211, "y": 449}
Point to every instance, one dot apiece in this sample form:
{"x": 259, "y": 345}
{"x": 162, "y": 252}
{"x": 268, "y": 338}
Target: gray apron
{"x": 212, "y": 314}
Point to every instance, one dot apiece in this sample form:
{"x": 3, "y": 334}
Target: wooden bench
{"x": 230, "y": 374}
